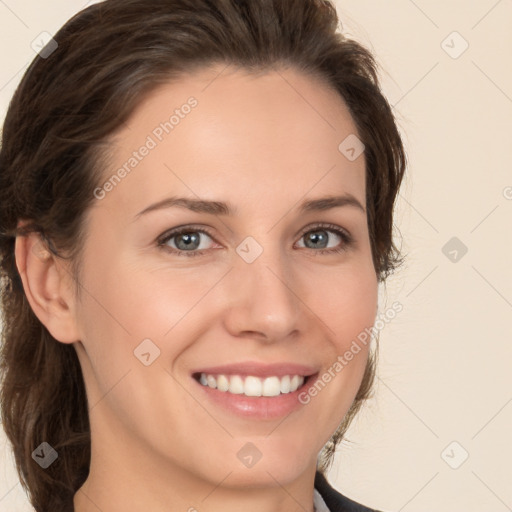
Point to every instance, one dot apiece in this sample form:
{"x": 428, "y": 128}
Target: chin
{"x": 268, "y": 466}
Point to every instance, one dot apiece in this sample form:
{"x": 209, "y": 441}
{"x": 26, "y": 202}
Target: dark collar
{"x": 335, "y": 501}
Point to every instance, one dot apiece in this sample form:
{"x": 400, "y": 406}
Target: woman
{"x": 197, "y": 211}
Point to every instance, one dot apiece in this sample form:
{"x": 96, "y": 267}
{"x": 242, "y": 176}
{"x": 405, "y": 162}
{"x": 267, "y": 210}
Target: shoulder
{"x": 335, "y": 501}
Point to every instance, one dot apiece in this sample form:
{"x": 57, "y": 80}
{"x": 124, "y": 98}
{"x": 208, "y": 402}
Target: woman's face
{"x": 266, "y": 289}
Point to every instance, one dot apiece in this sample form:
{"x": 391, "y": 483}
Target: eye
{"x": 184, "y": 241}
{"x": 321, "y": 235}
{"x": 189, "y": 240}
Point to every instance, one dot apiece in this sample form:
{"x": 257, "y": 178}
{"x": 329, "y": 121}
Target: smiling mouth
{"x": 253, "y": 386}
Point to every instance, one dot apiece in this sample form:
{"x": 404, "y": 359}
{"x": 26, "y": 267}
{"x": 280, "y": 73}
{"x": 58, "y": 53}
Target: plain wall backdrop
{"x": 436, "y": 434}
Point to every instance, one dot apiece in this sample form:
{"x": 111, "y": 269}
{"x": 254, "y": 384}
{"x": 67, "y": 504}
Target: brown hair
{"x": 54, "y": 142}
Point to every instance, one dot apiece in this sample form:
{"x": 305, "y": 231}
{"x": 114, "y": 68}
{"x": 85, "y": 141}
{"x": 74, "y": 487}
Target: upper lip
{"x": 259, "y": 369}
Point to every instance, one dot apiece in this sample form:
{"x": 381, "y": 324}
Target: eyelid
{"x": 326, "y": 225}
{"x": 185, "y": 228}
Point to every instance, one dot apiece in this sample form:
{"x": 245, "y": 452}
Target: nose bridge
{"x": 265, "y": 298}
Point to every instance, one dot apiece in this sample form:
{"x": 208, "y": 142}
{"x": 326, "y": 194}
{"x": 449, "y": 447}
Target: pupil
{"x": 318, "y": 237}
{"x": 188, "y": 240}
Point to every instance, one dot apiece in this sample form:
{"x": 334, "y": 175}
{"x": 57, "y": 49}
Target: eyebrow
{"x": 221, "y": 208}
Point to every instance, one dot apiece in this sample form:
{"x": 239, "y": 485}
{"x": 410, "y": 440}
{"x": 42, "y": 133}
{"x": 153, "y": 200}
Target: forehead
{"x": 272, "y": 135}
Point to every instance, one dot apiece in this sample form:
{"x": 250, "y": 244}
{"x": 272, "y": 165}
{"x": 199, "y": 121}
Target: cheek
{"x": 347, "y": 303}
{"x": 125, "y": 303}
{"x": 347, "y": 316}
{"x": 116, "y": 313}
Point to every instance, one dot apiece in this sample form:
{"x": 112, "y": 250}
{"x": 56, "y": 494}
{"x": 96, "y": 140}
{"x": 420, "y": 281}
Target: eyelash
{"x": 347, "y": 240}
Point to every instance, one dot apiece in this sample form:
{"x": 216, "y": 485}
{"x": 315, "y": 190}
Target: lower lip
{"x": 257, "y": 407}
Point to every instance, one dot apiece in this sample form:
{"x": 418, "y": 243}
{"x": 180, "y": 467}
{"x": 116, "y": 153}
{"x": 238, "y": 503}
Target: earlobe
{"x": 47, "y": 285}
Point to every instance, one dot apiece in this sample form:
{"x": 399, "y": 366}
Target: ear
{"x": 48, "y": 286}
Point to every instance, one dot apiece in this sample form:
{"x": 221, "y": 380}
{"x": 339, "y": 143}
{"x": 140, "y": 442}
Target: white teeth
{"x": 271, "y": 386}
{"x": 236, "y": 385}
{"x": 253, "y": 386}
{"x": 285, "y": 384}
{"x": 222, "y": 383}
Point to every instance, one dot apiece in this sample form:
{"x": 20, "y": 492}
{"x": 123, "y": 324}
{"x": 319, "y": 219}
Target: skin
{"x": 263, "y": 144}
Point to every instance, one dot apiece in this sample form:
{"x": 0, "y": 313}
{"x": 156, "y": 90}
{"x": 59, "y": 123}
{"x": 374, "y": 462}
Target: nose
{"x": 264, "y": 299}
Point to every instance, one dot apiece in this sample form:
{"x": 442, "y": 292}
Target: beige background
{"x": 445, "y": 360}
